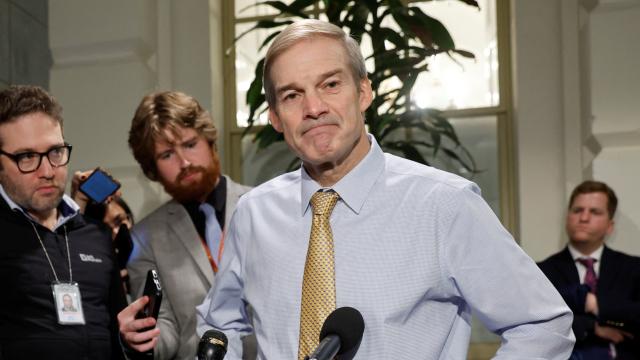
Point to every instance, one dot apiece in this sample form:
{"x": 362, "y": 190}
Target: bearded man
{"x": 174, "y": 140}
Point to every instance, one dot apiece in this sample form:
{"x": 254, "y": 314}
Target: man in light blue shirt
{"x": 416, "y": 249}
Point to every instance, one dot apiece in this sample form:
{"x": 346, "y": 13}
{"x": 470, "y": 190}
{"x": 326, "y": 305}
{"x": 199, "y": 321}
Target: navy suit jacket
{"x": 618, "y": 299}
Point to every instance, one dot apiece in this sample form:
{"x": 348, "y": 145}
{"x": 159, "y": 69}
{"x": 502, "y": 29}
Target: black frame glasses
{"x": 20, "y": 158}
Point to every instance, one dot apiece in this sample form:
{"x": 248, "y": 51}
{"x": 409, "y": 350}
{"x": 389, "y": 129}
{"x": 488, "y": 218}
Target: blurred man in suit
{"x": 600, "y": 285}
{"x": 174, "y": 141}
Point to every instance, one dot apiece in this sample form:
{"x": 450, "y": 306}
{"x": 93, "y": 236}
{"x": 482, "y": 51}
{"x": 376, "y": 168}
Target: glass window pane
{"x": 480, "y": 137}
{"x": 259, "y": 166}
{"x": 247, "y": 56}
{"x": 462, "y": 83}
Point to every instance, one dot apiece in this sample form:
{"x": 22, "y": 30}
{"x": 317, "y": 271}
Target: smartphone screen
{"x": 99, "y": 186}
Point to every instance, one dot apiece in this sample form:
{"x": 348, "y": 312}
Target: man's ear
{"x": 610, "y": 227}
{"x": 366, "y": 94}
{"x": 275, "y": 120}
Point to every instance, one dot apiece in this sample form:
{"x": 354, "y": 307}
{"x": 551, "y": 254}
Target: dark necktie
{"x": 590, "y": 278}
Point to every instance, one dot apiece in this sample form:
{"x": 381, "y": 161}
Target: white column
{"x": 538, "y": 105}
{"x": 615, "y": 111}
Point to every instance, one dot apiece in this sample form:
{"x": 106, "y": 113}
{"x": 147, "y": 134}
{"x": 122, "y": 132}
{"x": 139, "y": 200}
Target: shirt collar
{"x": 66, "y": 209}
{"x": 575, "y": 254}
{"x": 355, "y": 186}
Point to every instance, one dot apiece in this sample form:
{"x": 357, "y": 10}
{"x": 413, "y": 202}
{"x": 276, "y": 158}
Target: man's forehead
{"x": 317, "y": 55}
{"x": 592, "y": 199}
{"x": 294, "y": 81}
{"x": 18, "y": 134}
{"x": 170, "y": 136}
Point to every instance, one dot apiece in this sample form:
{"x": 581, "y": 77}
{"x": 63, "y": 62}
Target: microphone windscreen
{"x": 347, "y": 323}
{"x": 214, "y": 337}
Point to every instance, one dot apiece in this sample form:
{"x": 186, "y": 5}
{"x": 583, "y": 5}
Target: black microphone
{"x": 212, "y": 346}
{"x": 341, "y": 333}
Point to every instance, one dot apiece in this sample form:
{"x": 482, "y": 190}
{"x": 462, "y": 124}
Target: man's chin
{"x": 582, "y": 240}
{"x": 45, "y": 205}
{"x": 192, "y": 191}
{"x": 185, "y": 194}
{"x": 194, "y": 187}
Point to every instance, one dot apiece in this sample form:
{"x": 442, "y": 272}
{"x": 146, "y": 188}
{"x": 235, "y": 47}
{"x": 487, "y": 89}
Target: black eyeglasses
{"x": 30, "y": 161}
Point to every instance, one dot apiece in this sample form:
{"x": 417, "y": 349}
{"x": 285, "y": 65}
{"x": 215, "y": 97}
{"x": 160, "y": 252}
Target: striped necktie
{"x": 590, "y": 277}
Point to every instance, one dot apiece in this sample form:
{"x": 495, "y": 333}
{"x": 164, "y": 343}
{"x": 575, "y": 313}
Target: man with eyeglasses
{"x": 47, "y": 249}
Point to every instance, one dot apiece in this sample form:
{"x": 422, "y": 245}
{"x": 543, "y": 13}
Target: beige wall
{"x": 615, "y": 110}
{"x": 577, "y": 114}
{"x": 537, "y": 63}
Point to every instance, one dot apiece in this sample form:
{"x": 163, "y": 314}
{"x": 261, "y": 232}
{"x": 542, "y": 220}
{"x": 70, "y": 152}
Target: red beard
{"x": 195, "y": 191}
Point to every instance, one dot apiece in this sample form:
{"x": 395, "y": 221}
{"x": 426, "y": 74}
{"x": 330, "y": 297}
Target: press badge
{"x": 68, "y": 302}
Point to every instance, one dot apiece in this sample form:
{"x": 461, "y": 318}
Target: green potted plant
{"x": 400, "y": 51}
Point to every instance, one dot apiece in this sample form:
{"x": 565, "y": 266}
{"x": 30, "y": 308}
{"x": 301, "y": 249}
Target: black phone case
{"x": 123, "y": 245}
{"x": 153, "y": 290}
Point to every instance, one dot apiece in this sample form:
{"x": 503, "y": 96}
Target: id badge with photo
{"x": 66, "y": 297}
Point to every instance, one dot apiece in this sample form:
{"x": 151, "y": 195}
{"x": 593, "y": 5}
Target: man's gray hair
{"x": 305, "y": 30}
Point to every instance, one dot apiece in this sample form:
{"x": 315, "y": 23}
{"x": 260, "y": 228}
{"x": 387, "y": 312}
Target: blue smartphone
{"x": 99, "y": 186}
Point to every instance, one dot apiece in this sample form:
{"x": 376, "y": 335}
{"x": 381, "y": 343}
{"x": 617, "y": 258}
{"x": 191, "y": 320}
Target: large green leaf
{"x": 356, "y": 20}
{"x": 473, "y": 3}
{"x": 295, "y": 8}
{"x": 429, "y": 30}
{"x": 255, "y": 98}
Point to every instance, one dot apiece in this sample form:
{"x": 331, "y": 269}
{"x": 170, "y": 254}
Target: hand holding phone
{"x": 153, "y": 290}
{"x": 99, "y": 186}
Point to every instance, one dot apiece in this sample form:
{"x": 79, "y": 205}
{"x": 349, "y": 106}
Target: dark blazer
{"x": 29, "y": 326}
{"x": 618, "y": 299}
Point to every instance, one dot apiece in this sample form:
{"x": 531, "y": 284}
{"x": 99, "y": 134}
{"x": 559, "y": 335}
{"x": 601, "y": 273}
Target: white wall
{"x": 615, "y": 110}
{"x": 537, "y": 67}
{"x": 577, "y": 113}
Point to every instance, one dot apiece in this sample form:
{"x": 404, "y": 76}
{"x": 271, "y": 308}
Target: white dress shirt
{"x": 582, "y": 270}
{"x": 416, "y": 251}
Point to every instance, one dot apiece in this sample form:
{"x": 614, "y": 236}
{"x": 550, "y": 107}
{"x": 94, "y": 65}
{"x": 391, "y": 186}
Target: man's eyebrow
{"x": 322, "y": 77}
{"x": 191, "y": 139}
{"x": 29, "y": 149}
{"x": 287, "y": 87}
{"x": 330, "y": 73}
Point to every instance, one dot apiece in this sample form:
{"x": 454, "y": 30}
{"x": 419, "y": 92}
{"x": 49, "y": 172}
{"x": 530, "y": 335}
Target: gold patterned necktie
{"x": 318, "y": 284}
